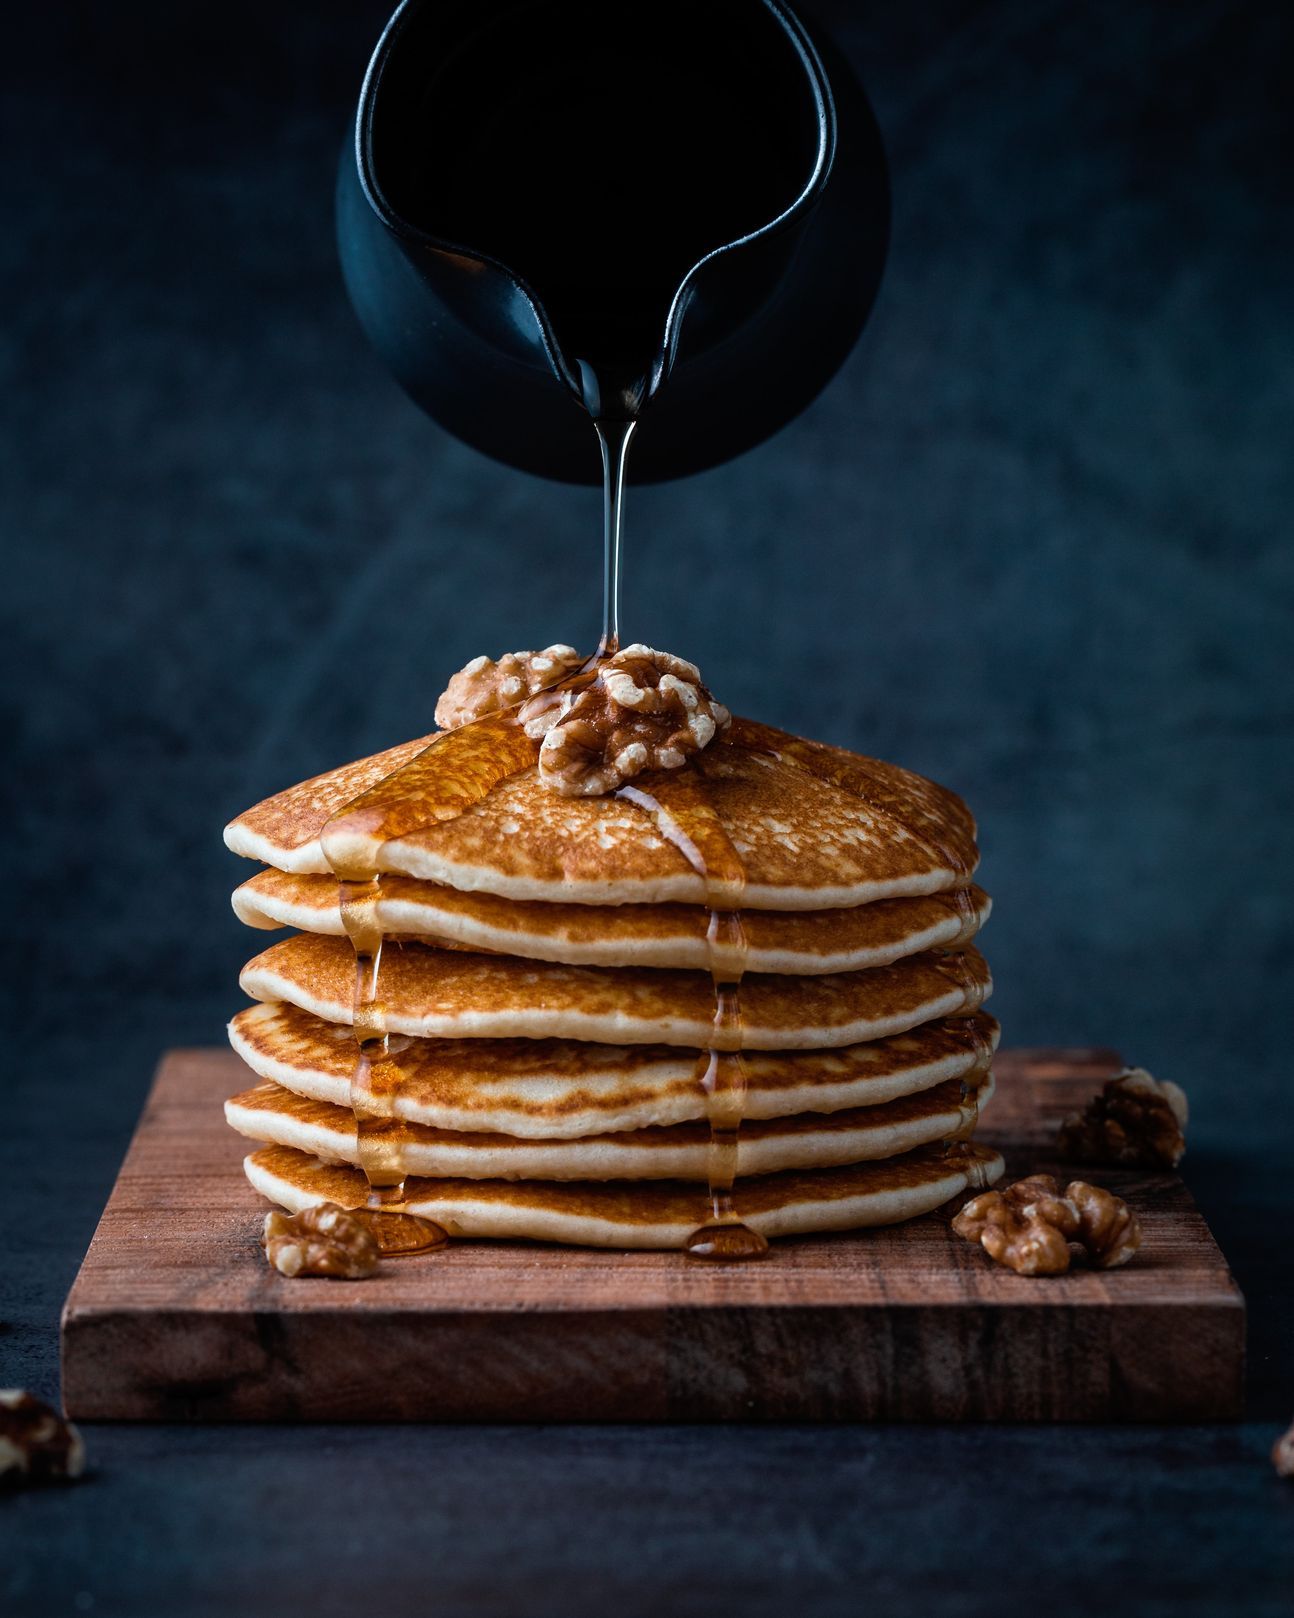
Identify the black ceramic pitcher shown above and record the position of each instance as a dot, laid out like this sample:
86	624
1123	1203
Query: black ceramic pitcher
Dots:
561	208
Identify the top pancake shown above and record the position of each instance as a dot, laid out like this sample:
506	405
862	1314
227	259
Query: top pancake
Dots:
815	827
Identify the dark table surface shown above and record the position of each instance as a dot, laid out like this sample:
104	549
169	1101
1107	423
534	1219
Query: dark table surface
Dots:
1034	540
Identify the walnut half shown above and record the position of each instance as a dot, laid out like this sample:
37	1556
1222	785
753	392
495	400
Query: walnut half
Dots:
323	1240
36	1444
1135	1120
484	686
1034	1228
645	711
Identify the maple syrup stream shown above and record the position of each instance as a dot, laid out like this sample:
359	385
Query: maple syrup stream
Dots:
613	439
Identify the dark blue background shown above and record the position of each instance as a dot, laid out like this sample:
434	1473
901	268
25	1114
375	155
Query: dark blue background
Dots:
1034	540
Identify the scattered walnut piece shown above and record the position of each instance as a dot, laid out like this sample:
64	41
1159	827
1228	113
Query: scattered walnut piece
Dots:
645	711
1283	1453
1034	1228
484	686
36	1444
1026	1227
323	1240
1108	1231
1135	1120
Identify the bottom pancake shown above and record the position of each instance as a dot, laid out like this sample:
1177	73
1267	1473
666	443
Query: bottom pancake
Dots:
268	1112
661	1214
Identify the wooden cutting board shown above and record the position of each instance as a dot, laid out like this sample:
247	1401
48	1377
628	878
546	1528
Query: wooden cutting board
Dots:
175	1315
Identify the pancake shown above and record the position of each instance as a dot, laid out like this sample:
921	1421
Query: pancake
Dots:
631	1214
427	991
624	935
554	1089
270	1113
815	827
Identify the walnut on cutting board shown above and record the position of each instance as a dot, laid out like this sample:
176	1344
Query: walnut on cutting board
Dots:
1108	1232
1135	1120
323	1240
1034	1228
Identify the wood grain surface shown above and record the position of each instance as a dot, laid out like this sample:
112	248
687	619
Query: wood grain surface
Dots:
175	1314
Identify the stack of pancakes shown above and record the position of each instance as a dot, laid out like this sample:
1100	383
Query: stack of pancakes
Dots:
547	989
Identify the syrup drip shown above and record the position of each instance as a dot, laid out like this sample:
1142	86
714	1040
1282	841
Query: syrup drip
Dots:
973	1161
446	779
375	1087
375	1083
967	1115
683	814
977	1038
965	973
961	901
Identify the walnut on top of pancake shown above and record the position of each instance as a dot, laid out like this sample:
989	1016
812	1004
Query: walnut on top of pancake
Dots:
484	686
642	710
